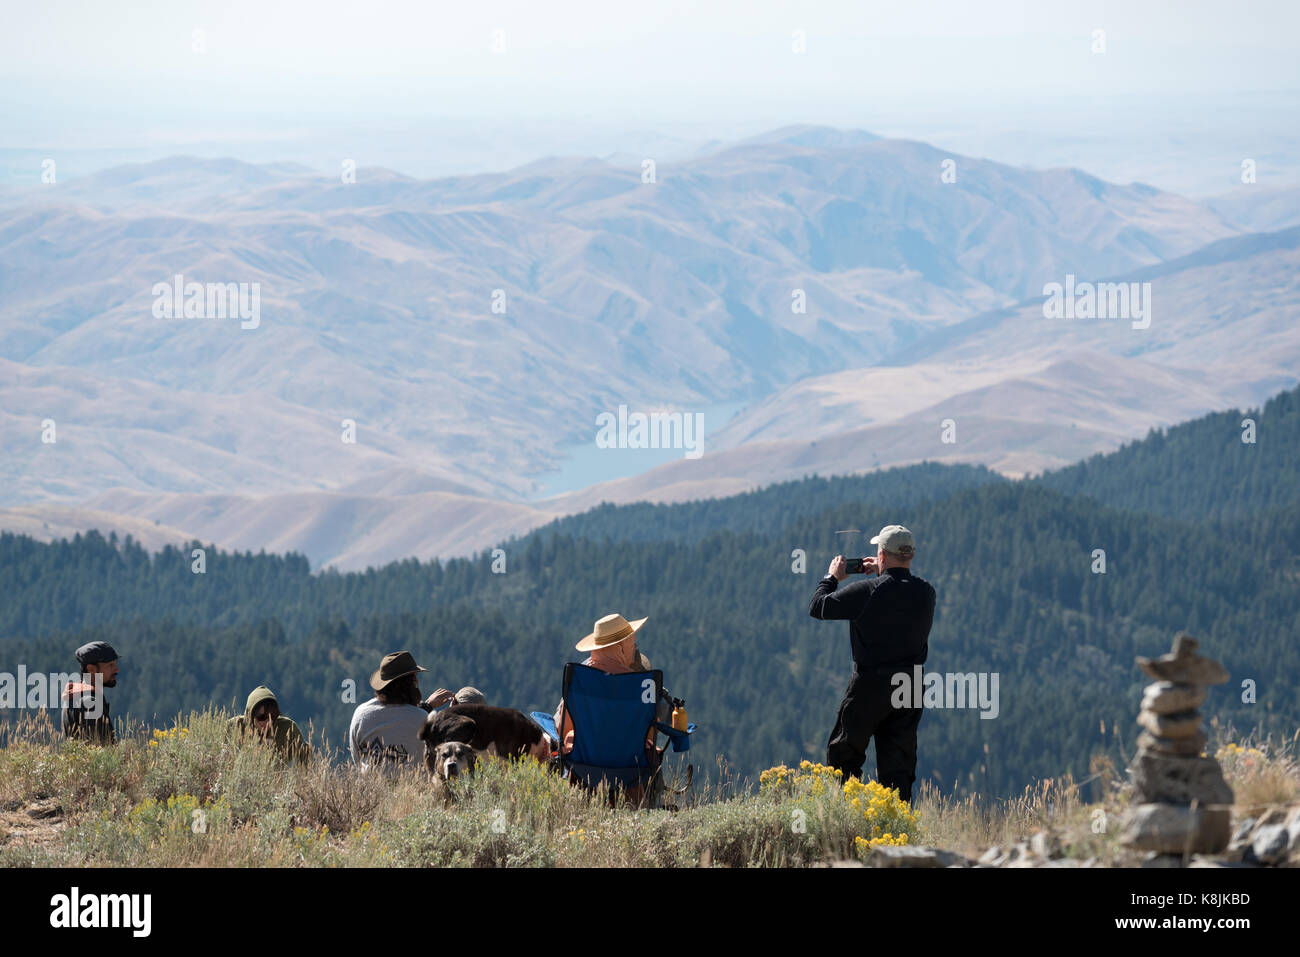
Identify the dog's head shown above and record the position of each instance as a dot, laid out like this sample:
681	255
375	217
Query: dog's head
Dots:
447	753
449	760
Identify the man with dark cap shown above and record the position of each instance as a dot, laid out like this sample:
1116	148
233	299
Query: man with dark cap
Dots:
385	730
85	709
889	629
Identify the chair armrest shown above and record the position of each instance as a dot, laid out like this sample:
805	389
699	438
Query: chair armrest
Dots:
681	739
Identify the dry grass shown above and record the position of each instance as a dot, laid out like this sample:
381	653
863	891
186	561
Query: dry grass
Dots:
1262	772
971	824
189	795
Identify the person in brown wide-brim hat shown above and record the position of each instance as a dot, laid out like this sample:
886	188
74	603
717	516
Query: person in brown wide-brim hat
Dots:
385	731
394	666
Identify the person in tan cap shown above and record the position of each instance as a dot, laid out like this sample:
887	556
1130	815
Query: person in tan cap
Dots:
612	644
889	616
386	729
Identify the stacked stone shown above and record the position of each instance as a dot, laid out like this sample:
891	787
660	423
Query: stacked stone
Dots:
1184	804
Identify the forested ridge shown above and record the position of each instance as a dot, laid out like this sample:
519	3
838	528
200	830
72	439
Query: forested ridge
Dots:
1200	531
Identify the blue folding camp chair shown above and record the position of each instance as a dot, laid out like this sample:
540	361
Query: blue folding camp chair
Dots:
612	716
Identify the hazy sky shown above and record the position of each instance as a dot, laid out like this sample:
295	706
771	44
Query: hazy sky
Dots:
679	59
99	74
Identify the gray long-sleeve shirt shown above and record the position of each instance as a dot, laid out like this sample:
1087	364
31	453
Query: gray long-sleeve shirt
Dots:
387	734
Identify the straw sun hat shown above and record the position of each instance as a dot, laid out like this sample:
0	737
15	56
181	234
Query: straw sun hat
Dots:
610	630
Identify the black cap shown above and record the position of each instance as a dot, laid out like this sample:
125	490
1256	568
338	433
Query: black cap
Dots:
96	653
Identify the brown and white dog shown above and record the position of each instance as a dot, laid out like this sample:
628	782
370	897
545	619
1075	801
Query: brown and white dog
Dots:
486	728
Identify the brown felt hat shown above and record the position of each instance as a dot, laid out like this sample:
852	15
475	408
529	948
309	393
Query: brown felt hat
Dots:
394	666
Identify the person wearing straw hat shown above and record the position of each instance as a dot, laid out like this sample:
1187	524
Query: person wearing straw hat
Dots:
386	729
612	647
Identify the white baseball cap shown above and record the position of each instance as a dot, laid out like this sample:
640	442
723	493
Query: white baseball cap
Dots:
895	539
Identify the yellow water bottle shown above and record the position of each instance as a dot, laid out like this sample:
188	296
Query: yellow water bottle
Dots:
679	715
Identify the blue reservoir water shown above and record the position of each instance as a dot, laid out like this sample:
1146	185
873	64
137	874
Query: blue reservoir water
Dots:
585	463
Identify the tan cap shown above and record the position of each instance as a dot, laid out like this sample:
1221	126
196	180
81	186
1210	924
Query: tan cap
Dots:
895	539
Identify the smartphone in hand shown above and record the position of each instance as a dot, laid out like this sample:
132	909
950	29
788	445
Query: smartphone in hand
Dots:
854	565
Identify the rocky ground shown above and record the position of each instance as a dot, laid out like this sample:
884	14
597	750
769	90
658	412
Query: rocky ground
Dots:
1262	837
36	822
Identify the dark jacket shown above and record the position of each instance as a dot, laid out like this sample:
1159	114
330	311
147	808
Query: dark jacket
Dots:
78	701
889	618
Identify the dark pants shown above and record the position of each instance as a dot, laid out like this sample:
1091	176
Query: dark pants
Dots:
865	712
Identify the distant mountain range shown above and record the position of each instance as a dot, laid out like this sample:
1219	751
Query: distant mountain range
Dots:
472	328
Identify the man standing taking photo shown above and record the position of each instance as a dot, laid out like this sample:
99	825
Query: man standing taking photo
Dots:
889	619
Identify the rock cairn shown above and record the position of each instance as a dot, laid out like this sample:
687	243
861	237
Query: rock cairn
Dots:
1184	803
